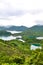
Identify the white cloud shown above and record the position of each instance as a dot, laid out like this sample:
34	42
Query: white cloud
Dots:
21	12
24	4
26	20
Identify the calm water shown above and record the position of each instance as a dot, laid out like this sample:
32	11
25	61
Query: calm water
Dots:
33	47
7	38
21	40
14	31
39	38
11	37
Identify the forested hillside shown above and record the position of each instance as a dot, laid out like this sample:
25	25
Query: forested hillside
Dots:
35	31
15	52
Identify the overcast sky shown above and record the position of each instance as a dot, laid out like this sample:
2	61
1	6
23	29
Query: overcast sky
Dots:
21	12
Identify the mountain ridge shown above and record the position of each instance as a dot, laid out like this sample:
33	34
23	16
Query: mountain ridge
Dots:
36	31
14	28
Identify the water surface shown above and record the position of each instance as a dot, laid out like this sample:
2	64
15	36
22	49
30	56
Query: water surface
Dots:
14	31
7	38
40	38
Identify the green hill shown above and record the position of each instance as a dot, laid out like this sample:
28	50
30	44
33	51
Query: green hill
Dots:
15	52
33	31
4	33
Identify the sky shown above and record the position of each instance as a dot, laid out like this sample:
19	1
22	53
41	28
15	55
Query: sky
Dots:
21	12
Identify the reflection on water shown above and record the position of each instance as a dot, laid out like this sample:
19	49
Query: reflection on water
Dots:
7	38
39	38
33	47
14	31
11	38
21	40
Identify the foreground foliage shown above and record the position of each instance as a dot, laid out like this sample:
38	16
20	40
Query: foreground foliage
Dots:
15	52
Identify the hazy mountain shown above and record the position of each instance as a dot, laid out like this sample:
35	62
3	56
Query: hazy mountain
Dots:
17	28
36	30
13	28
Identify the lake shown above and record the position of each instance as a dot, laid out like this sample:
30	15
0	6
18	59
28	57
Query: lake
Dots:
33	47
39	38
7	38
10	37
14	31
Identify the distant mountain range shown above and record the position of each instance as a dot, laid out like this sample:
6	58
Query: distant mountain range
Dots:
13	28
22	28
36	30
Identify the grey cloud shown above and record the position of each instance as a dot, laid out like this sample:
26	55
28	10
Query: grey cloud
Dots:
11	13
4	18
33	12
16	13
38	22
9	10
